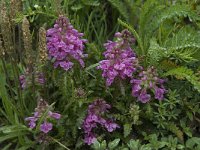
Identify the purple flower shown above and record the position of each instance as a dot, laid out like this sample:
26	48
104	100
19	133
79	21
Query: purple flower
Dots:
111	126
65	44
148	81
26	78
120	60
22	79
98	106
32	121
46	127
39	111
159	92
95	117
40	78
144	97
89	138
54	115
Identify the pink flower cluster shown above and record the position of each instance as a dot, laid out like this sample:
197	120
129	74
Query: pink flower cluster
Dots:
64	44
120	61
148	82
95	117
46	126
26	78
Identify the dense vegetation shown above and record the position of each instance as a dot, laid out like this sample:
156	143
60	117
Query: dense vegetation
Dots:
100	74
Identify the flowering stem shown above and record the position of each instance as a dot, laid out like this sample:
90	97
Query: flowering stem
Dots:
60	143
134	33
43	117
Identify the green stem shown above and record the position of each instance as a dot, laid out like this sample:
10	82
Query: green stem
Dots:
7	77
60	144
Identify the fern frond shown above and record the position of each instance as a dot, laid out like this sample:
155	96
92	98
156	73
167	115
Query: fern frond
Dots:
121	7
184	45
174	129
155	52
148	8
167	65
155	14
172	12
183	55
188	74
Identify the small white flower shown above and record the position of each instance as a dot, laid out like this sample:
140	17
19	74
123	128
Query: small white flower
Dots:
36	6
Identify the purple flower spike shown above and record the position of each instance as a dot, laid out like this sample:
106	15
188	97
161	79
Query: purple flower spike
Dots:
26	78
89	138
148	81
159	92
120	60
46	127
94	118
111	126
65	44
144	97
39	111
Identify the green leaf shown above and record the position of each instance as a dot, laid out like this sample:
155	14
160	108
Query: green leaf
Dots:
134	144
155	52
127	129
97	145
121	7
92	66
184	72
192	142
91	2
113	144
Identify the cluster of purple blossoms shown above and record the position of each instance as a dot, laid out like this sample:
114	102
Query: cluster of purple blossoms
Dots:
148	82
42	107
120	59
95	117
26	78
64	44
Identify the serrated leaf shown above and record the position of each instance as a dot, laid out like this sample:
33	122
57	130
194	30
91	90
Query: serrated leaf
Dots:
127	129
113	144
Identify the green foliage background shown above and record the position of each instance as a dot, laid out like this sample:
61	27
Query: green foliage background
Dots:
168	37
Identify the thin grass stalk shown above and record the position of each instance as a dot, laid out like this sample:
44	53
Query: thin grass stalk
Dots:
7	77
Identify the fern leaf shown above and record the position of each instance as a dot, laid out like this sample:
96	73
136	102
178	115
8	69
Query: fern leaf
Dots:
184	45
172	12
121	7
174	129
188	74
155	52
127	129
167	65
148	8
149	23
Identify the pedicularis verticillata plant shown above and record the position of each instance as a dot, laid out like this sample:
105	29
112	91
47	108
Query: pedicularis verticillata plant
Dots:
121	61
64	44
97	116
148	81
42	111
26	78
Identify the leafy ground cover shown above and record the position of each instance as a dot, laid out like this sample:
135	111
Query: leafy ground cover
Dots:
100	74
